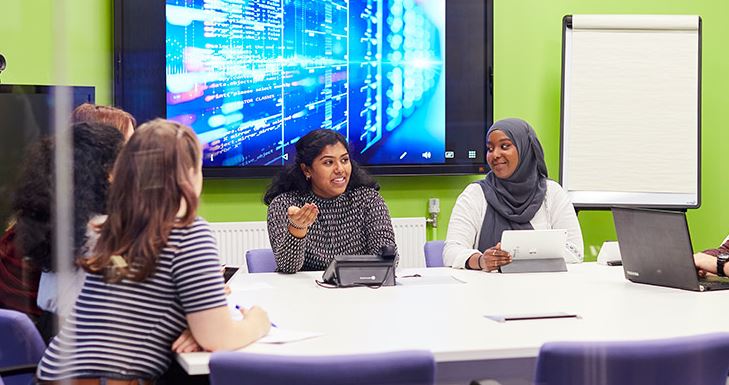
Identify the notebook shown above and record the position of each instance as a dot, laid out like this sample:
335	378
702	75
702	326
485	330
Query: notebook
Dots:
534	251
655	246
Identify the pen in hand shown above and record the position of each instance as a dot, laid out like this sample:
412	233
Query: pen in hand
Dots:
237	307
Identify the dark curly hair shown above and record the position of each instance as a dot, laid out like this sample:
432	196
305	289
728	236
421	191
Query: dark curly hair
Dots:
95	148
292	178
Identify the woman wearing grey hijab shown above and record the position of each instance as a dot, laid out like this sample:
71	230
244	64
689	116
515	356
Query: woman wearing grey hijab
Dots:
515	195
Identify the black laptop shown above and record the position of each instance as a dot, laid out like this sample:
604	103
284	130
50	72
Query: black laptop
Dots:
655	246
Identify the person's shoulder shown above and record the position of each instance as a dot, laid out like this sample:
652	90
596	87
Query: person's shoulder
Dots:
554	188
97	220
556	193
197	227
286	198
474	186
472	190
364	193
553	184
198	232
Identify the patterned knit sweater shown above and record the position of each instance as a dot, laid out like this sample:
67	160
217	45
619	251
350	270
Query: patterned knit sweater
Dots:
356	222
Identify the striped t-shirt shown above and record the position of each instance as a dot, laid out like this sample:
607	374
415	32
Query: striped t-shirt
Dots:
126	329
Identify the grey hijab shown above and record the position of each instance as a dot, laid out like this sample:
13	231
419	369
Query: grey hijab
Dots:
512	202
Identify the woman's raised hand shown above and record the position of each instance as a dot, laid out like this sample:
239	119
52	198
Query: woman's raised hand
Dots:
302	217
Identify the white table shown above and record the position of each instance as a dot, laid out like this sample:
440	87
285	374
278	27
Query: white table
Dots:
448	319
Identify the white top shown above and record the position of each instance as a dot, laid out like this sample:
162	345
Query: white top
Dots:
51	283
464	227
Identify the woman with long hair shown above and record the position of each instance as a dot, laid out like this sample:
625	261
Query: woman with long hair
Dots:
153	272
324	205
28	266
28	282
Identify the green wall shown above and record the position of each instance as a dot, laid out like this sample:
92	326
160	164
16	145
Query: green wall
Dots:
27	39
527	51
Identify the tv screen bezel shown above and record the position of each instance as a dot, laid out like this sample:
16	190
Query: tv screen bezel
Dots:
135	21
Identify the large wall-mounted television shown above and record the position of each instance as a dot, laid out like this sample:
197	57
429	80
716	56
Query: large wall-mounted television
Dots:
408	82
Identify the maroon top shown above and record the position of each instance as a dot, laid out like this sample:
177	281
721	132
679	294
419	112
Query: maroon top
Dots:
18	279
723	249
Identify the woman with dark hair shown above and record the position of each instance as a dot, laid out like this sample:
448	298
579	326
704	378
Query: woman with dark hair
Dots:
324	205
515	195
153	272
95	148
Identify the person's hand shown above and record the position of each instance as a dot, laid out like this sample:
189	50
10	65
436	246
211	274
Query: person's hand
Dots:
186	343
258	319
303	217
705	264
493	258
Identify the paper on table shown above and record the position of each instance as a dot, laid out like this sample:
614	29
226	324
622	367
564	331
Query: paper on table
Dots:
240	285
241	299
417	279
281	336
275	335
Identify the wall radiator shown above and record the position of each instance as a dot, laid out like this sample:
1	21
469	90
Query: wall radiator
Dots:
235	238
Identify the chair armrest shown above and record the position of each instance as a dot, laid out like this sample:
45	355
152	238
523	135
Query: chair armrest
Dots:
17	369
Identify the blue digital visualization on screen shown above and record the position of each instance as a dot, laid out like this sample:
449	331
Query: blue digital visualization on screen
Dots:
252	77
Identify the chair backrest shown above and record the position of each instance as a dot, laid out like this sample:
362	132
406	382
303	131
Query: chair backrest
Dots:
412	367
434	253
696	360
260	261
20	344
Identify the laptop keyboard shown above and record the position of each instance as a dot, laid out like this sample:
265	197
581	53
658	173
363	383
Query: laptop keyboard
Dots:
714	282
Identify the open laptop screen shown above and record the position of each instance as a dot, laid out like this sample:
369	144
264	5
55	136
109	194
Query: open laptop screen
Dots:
655	246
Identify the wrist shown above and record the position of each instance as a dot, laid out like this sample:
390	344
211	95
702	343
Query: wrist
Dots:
297	233
721	260
297	226
472	264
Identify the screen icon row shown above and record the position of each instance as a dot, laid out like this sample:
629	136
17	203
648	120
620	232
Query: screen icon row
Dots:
451	154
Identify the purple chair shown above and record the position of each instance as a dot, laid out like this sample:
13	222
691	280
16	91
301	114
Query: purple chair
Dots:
412	367
695	360
434	253
21	347
260	261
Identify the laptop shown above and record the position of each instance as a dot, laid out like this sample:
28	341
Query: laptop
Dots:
655	246
534	251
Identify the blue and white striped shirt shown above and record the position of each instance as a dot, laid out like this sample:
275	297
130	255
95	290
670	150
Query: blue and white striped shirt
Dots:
126	329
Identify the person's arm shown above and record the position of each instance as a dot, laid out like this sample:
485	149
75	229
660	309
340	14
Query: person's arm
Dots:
214	329
463	229
705	261
200	288
377	224
562	215
288	247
